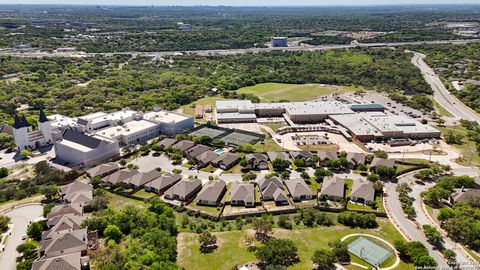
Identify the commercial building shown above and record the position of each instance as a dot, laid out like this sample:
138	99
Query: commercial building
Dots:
279	41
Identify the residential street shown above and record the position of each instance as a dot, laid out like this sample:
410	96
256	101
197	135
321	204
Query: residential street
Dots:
21	218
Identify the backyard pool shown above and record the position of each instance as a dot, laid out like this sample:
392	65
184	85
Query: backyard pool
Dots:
220	151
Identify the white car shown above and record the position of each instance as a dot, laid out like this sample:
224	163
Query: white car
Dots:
24	236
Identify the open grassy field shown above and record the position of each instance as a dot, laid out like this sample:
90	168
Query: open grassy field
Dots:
189	109
465	148
293	92
232	251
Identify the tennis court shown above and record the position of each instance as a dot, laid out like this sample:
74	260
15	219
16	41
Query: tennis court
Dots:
238	138
369	251
207	131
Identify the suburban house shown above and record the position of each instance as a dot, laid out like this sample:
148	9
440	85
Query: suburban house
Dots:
242	194
167	142
280	155
306	156
63	225
163	183
63	209
68	218
362	192
257	161
196	150
333	188
119	176
72	261
183	146
81	198
298	189
464	195
102	170
272	189
140	179
67	243
184	190
325	156
212	193
389	163
205	158
354	159
74	187
226	161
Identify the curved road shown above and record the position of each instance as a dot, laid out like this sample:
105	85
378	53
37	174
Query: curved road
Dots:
21	218
441	94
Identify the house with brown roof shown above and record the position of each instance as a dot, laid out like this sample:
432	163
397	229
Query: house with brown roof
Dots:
325	156
196	150
76	186
257	161
225	161
272	189
464	195
362	192
72	261
82	198
102	170
163	183
63	209
183	146
140	179
119	176
242	194
298	189
280	155
333	188
67	218
205	158
65	244
306	156
167	142
354	159
389	163
184	190
212	193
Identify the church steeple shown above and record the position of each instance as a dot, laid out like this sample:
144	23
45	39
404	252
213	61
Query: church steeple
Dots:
18	122
43	117
25	122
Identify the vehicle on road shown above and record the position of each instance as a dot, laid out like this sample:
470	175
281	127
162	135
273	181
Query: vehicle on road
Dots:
24	236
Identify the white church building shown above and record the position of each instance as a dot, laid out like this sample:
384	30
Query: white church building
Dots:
26	137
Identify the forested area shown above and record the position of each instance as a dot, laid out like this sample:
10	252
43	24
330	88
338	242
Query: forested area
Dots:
51	83
99	29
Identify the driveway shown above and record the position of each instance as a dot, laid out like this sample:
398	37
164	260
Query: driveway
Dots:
21	218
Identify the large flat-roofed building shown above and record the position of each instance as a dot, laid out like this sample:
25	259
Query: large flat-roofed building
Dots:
358	127
79	149
98	120
279	41
133	132
170	123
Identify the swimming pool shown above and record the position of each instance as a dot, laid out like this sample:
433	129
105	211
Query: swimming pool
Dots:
220	151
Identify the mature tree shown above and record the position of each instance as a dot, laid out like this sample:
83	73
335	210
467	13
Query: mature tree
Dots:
28	249
113	232
35	230
4	221
450	256
323	259
300	163
385	172
3	172
433	235
25	153
340	249
208	242
262	227
277	252
280	164
49	191
243	163
320	173
381	154
305	176
285	175
373	177
176	158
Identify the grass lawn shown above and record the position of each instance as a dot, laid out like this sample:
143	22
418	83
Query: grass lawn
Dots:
314	185
189	109
235	169
118	201
143	194
441	110
267	144
378	200
207	209
208	169
293	92
465	147
401	168
232	251
275	126
349	183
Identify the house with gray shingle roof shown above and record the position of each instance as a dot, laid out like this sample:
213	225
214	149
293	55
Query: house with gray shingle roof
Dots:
167	142
73	187
257	161
298	189
354	159
183	145
142	178
272	189
389	163
280	155
333	188
62	226
225	161
184	190
196	150
119	176
362	192
102	170
205	158
242	194
212	193
163	183
306	156
325	156
69	218
65	244
464	195
72	261
63	209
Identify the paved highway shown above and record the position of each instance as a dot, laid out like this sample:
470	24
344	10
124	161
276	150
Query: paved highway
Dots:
21	218
441	94
240	51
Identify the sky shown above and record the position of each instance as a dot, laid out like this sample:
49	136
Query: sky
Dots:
241	2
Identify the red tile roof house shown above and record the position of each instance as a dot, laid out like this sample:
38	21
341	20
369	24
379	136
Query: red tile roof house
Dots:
333	188
298	189
212	193
272	189
184	190
164	182
242	194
